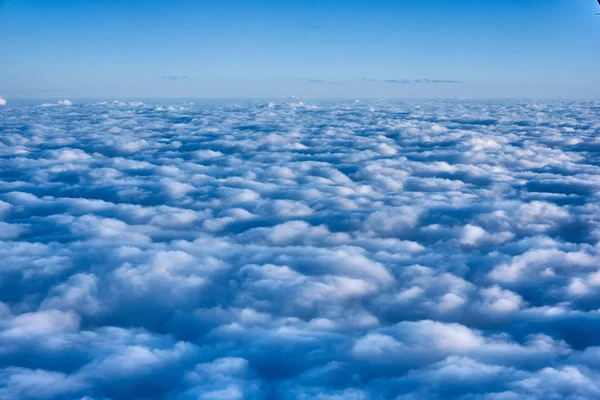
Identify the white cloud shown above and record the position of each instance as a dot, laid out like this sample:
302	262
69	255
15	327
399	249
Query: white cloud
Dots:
57	104
40	324
339	250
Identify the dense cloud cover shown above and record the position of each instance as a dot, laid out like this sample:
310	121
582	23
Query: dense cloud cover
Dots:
349	250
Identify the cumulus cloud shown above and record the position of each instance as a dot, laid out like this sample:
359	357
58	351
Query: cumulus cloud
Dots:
2	101
291	250
57	104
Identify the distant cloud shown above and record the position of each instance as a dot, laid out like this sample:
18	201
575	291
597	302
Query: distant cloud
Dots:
2	101
412	81
304	80
59	103
173	77
437	81
395	81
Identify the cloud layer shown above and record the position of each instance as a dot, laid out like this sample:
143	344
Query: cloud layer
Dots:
411	81
348	250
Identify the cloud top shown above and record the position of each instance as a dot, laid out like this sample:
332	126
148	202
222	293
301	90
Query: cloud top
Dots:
293	250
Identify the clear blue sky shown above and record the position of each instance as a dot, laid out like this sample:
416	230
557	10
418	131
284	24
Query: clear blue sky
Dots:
268	48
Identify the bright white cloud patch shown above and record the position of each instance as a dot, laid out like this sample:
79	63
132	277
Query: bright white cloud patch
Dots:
340	250
58	103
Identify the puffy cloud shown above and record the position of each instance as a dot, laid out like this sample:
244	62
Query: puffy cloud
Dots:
290	250
475	236
22	383
40	323
11	231
57	104
2	101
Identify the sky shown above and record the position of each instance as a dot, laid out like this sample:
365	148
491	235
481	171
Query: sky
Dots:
313	49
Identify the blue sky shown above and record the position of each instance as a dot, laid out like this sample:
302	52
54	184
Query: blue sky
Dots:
232	48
